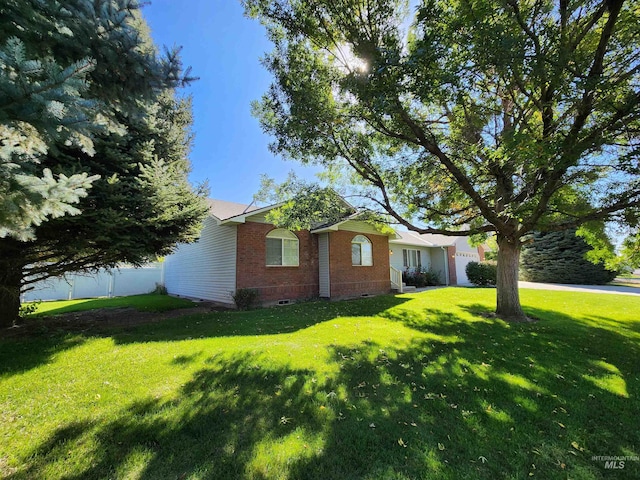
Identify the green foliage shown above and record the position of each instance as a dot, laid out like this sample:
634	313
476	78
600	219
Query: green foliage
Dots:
41	103
28	309
491	255
630	252
160	290
94	143
302	204
492	252
246	298
141	206
561	257
64	89
482	274
483	116
602	250
149	302
421	278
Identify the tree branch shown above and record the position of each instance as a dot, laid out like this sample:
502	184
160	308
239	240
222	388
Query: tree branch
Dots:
460	177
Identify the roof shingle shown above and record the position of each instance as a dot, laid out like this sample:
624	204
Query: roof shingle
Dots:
221	209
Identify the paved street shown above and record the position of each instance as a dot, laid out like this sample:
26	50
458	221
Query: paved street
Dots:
620	290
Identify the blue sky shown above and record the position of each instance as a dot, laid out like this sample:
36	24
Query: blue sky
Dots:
224	49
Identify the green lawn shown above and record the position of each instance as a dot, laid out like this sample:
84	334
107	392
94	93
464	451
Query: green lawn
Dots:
415	386
145	303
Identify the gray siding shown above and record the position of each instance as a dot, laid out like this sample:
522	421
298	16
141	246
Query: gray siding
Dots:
258	218
438	264
323	264
359	227
396	259
207	268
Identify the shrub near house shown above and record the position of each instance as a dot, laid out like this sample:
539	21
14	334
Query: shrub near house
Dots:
482	274
421	277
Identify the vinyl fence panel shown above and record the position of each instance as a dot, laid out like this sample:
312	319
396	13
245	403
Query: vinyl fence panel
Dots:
119	282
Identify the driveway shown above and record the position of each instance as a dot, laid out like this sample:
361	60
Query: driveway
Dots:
616	289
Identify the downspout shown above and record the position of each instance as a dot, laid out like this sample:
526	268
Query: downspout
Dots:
446	265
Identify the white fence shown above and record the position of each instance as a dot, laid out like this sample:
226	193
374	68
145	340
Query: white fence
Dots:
118	282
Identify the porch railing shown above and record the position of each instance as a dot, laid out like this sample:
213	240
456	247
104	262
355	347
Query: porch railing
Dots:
396	279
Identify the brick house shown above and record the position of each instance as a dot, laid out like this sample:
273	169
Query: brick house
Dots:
238	248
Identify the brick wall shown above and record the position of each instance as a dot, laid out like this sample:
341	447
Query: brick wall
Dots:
275	283
451	259
481	252
348	280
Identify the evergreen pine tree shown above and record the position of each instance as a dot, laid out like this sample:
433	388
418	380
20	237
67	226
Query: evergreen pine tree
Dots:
559	257
65	69
93	143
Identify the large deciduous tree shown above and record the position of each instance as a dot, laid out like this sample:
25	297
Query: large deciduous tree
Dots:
94	143
467	116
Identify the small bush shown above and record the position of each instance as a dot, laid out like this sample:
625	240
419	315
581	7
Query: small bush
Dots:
159	290
421	278
27	309
482	274
246	298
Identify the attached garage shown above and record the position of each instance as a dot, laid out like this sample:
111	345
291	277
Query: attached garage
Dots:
462	259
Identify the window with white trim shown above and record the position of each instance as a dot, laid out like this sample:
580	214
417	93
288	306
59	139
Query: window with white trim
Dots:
282	248
411	258
361	251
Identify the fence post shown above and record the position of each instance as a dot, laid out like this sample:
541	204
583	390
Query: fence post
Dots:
112	281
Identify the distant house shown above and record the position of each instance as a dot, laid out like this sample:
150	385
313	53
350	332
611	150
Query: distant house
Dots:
238	248
446	255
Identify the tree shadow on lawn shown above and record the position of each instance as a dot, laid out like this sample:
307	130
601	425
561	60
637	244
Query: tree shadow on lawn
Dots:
263	321
147	302
24	353
468	399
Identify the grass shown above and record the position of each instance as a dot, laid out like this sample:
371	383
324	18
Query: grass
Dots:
410	386
145	303
629	275
622	283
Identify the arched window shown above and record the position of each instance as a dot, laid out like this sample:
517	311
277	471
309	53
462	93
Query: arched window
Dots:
282	248
361	251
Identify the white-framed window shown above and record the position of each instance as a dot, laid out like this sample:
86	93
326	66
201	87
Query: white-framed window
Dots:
282	248
361	251
411	259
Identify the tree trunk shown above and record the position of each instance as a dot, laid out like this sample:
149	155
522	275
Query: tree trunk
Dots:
11	265
507	280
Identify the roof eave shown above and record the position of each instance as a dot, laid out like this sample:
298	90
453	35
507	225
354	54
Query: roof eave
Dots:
415	240
330	228
336	226
242	218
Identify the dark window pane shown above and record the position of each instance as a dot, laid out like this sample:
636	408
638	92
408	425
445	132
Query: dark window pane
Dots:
274	251
355	254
